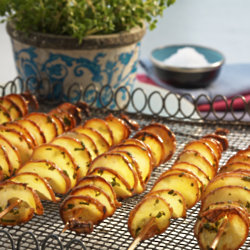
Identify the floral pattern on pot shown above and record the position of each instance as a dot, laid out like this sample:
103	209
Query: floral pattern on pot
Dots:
112	67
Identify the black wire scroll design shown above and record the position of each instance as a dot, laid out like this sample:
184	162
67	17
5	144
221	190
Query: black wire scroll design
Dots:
136	101
108	98
4	234
50	241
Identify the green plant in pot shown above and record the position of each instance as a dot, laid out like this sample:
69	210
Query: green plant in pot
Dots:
72	43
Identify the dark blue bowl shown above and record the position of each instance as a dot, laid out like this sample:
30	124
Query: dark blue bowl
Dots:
187	77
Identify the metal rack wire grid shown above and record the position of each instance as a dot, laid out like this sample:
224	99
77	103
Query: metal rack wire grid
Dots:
45	232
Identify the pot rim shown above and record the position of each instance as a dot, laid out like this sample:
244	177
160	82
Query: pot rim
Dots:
51	41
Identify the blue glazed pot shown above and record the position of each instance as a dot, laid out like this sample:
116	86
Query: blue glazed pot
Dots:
104	60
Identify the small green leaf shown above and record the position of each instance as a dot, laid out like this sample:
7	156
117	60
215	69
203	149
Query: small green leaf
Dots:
80	18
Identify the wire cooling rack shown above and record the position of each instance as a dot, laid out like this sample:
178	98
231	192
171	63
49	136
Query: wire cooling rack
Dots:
45	232
169	105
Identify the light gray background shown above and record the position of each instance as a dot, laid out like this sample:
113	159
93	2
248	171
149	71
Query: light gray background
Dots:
221	24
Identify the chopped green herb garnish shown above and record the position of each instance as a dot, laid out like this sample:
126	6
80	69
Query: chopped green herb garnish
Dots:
138	229
97	193
246	178
100	172
65	172
66	121
160	214
171	191
156	202
84	203
248	204
79	149
49	119
114	182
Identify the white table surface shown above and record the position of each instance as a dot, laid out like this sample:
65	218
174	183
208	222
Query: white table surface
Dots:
221	24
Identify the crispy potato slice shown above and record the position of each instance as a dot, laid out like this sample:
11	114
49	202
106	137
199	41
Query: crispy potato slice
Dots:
18	127
18	140
184	171
119	128
119	183
38	183
100	142
242	171
221	131
4	115
151	207
12	108
60	127
210	231
194	169
225	179
45	122
34	129
141	155
13	153
20	102
98	194
102	127
5	165
245	151
221	206
71	109
167	136
100	182
57	179
220	138
218	205
117	162
227	193
194	157
20	214
134	125
67	119
85	140
10	190
175	199
240	156
78	151
60	156
139	143
234	232
235	166
83	210
1	175
155	143
205	150
140	187
215	145
136	141
30	99
226	205
184	183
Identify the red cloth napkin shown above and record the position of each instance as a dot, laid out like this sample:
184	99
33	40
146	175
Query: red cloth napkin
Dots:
237	104
220	105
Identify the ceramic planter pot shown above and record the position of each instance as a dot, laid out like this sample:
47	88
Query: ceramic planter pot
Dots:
104	60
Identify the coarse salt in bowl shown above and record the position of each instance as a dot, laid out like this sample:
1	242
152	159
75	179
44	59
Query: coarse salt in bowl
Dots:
187	66
187	57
